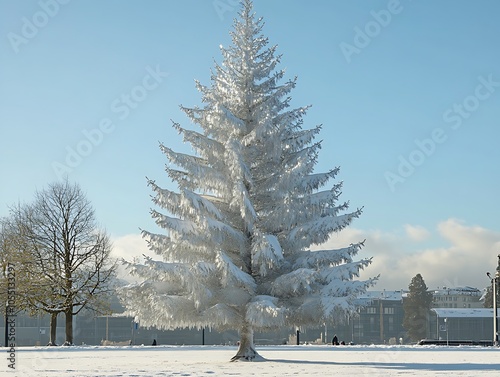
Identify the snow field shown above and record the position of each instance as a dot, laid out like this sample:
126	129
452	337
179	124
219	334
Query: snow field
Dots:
165	361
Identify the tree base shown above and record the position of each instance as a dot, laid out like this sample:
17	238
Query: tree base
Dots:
256	357
66	344
51	344
248	354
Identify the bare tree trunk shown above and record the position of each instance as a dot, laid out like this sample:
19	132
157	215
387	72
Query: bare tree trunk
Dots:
246	351
69	327
53	329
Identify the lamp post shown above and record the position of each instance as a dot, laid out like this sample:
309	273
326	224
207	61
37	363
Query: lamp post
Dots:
495	309
437	325
107	328
446	326
494	282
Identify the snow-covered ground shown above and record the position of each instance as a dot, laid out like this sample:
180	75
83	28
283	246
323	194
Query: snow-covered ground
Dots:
165	361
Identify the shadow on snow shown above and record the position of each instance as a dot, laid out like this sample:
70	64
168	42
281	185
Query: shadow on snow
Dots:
401	366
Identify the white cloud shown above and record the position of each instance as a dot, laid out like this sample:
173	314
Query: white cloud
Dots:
416	233
463	257
129	247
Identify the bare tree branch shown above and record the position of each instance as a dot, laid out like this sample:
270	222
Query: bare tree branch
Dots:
68	265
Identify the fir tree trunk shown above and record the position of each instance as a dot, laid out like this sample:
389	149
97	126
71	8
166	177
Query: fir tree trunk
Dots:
246	350
53	328
69	327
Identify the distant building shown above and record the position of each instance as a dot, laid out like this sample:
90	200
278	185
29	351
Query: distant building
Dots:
475	324
380	319
457	298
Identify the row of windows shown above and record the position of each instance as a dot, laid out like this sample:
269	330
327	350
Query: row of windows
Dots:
373	310
450	305
372	320
373	325
453	298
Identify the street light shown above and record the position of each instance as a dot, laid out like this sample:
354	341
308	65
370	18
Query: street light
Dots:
494	281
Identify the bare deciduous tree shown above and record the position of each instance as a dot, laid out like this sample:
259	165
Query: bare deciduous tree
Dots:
70	266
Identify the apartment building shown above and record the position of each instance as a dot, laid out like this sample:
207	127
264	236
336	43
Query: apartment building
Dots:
457	298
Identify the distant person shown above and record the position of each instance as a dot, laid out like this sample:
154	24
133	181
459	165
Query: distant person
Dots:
342	343
335	340
154	342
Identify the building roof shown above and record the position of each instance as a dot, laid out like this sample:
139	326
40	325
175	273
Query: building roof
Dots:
464	313
466	291
382	295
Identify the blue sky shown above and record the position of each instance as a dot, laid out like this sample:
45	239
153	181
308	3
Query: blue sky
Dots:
407	92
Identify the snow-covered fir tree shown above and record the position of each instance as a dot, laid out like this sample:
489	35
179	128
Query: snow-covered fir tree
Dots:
236	245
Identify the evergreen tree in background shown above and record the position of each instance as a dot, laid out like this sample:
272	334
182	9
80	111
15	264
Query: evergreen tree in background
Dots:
238	233
416	307
488	297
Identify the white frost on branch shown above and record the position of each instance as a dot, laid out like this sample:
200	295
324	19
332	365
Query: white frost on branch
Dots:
264	312
231	274
236	235
296	283
267	253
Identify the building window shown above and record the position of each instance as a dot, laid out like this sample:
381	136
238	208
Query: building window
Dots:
372	324
388	310
371	310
